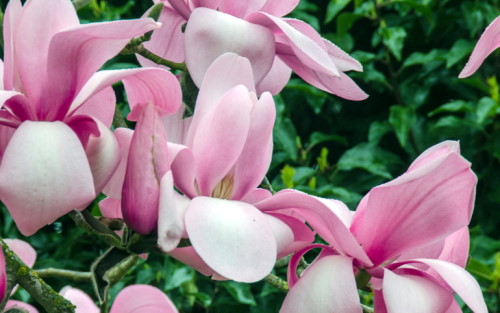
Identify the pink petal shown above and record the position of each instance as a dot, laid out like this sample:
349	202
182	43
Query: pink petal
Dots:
282	234
11	304
167	41
256	195
103	154
33	33
183	169
454	308
190	257
23	250
3	277
142	299
147	163
76	54
100	106
176	126
234	238
456	247
254	161
419	207
460	281
143	85
489	42
301	235
40	160
342	86
276	79
342	60
172	209
17	105
82	301
204	42
219	138
226	72
114	186
435	153
279	8
111	208
327	286
11	79
414	294
310	53
321	218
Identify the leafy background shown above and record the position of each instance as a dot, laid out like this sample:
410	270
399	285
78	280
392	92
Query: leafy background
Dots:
412	52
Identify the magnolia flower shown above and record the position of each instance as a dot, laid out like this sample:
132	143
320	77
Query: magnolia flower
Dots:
407	234
56	111
132	299
489	42
3	277
222	159
255	30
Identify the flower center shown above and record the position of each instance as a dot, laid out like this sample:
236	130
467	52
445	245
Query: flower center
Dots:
224	188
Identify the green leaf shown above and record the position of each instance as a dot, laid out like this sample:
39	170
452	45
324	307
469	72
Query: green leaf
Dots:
285	138
460	49
419	7
418	58
393	38
180	276
368	157
287	174
485	108
402	119
377	131
345	22
240	292
479	269
334	7
319	137
453	106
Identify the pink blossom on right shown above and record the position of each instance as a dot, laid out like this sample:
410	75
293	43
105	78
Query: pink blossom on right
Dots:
489	42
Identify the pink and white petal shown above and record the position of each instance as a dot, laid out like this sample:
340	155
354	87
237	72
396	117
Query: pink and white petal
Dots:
435	153
172	209
205	42
417	208
456	247
279	8
11	79
276	79
17	104
302	235
142	299
342	60
339	209
460	281
327	286
235	8
181	7
33	33
190	257
378	302
414	294
23	250
167	41
103	153
342	86
489	42
100	106
310	53
282	234
234	238
219	138
3	276
254	161
256	195
40	160
82	301
226	72
454	308
143	85
292	276
77	53
321	218
14	304
5	135
114	186
183	169
147	163
176	126
111	208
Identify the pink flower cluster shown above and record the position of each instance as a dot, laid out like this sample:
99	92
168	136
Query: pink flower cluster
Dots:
197	178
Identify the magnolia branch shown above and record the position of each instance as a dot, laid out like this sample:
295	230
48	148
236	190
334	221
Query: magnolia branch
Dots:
51	301
139	49
59	273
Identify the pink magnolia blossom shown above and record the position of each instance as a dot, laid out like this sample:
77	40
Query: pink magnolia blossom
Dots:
489	42
3	277
409	234
256	30
56	111
222	159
